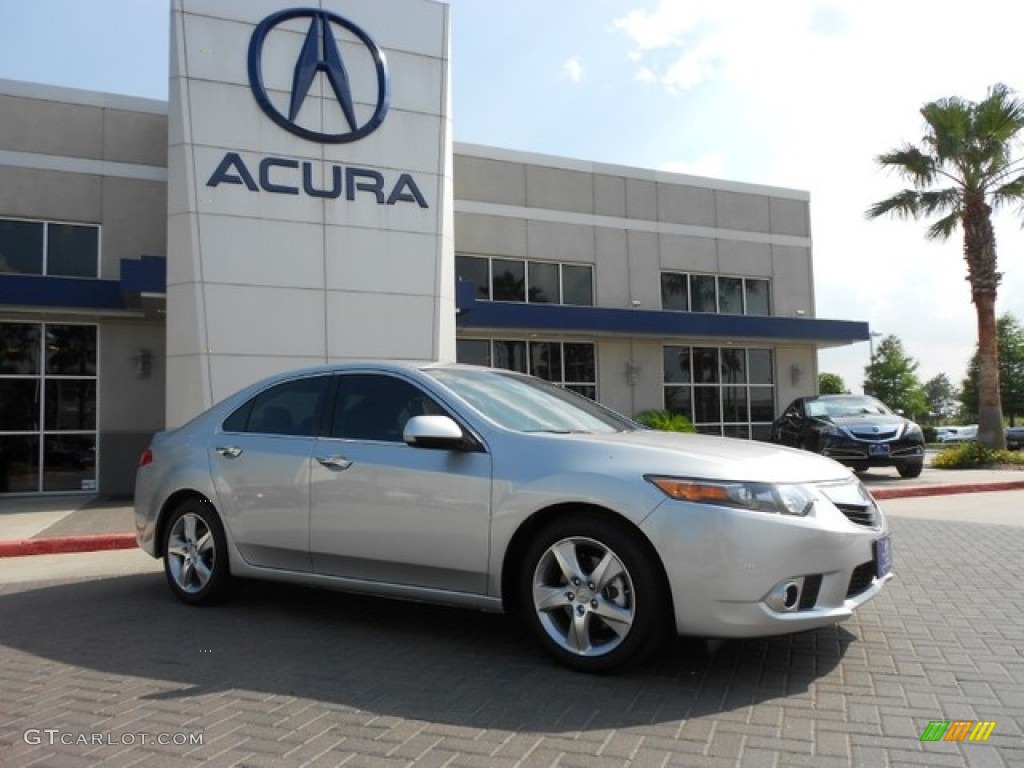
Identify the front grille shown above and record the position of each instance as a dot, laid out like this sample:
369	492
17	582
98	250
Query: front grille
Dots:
861	579
873	434
809	596
859	514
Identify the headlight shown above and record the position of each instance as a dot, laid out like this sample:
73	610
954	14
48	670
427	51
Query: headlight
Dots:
761	497
910	429
827	428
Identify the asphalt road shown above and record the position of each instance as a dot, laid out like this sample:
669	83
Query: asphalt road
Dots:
95	652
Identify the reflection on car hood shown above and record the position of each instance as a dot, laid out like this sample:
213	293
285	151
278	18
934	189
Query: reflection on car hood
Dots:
712	458
867	419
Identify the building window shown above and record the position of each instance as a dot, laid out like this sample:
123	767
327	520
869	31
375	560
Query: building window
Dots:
682	292
571	365
48	397
723	390
49	248
536	282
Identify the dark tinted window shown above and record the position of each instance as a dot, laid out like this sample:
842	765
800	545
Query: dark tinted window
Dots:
674	292
376	407
702	293
71	404
71	350
21	247
473	351
544	283
474	269
289	408
19	348
730	295
508	280
577	285
72	251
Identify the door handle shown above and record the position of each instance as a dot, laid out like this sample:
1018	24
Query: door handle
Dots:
229	451
334	462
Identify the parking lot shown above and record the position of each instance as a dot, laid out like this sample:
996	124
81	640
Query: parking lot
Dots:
104	659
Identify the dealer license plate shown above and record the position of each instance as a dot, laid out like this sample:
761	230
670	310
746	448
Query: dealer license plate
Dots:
883	557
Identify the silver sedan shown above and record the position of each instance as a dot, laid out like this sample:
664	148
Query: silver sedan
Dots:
493	490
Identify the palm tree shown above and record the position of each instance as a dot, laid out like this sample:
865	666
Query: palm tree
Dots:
963	170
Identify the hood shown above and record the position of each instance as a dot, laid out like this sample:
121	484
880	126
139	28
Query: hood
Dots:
705	456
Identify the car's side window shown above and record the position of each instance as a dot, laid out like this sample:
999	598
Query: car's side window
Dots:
290	408
376	407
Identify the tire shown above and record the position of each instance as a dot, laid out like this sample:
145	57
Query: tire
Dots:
910	470
592	626
195	554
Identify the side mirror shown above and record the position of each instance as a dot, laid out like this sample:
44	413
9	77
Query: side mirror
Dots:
434	432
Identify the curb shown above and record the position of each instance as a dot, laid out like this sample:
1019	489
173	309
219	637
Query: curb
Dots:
67	544
945	490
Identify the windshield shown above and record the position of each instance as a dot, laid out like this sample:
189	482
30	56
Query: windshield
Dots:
847	406
526	404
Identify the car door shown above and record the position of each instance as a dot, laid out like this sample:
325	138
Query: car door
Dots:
385	511
261	464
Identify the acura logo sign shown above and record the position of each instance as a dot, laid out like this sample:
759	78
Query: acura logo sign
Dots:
321	54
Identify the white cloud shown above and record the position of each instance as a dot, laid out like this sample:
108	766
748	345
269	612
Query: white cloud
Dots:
572	70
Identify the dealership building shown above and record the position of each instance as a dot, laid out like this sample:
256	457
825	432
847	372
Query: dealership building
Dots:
300	200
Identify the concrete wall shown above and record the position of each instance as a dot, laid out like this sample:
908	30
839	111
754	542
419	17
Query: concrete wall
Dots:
74	156
632	225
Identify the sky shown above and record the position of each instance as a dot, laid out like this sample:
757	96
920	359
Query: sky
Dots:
801	94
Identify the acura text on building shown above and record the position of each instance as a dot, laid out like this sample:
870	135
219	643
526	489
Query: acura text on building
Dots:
287	176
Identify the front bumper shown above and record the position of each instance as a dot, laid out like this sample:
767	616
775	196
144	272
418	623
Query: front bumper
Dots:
732	572
863	453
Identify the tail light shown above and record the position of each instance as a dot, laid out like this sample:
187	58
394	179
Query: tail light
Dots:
146	458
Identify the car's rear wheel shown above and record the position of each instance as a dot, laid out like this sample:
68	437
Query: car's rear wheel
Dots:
195	554
910	470
591	594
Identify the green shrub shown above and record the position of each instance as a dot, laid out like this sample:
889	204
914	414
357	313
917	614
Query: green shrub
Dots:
666	421
930	434
971	455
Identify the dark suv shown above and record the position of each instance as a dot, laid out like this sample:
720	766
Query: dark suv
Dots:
856	430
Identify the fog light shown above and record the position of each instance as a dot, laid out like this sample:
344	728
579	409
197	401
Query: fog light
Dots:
785	596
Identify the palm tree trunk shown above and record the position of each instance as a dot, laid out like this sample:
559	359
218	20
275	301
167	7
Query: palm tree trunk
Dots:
990	411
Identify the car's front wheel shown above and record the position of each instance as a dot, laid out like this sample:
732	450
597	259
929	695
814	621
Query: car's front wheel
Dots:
195	553
910	470
591	594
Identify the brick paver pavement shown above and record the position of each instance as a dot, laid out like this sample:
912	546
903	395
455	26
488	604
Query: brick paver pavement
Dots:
287	676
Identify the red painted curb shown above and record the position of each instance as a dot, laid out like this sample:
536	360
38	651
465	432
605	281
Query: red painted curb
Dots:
945	490
65	544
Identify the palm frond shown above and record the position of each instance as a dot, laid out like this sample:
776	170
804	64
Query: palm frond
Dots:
1009	193
910	163
944	227
903	205
940	200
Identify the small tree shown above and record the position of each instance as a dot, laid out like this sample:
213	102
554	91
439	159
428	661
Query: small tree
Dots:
892	378
942	397
1010	335
831	384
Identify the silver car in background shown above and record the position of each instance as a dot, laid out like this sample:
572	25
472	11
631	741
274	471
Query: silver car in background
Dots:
489	489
